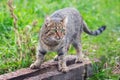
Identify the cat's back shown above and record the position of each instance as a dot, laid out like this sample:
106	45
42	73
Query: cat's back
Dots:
65	12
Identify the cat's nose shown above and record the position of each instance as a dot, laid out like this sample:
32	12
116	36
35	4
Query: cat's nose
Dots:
53	38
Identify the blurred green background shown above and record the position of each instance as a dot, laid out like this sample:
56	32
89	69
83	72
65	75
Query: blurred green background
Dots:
95	12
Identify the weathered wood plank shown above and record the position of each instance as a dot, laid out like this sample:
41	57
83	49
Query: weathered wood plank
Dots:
48	71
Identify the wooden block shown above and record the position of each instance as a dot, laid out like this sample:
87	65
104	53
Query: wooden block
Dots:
49	71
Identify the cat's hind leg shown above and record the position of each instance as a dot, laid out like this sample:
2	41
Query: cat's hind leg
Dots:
56	58
80	55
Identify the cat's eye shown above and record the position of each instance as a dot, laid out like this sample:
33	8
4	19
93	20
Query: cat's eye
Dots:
63	30
54	30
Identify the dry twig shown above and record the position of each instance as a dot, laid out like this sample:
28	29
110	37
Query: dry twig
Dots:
17	35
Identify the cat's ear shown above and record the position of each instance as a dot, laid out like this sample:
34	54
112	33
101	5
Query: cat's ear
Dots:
48	21
64	20
47	18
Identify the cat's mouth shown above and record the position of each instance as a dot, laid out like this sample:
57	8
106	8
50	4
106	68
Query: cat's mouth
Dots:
51	41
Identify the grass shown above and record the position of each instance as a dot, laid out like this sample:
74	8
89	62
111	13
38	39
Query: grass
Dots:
94	12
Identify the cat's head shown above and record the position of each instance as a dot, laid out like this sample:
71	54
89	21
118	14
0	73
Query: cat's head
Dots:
52	22
54	29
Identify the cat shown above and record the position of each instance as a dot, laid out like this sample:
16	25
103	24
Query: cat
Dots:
61	29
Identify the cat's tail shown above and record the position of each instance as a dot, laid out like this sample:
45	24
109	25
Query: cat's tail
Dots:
94	33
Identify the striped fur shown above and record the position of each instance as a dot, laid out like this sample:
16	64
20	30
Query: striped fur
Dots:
60	30
94	33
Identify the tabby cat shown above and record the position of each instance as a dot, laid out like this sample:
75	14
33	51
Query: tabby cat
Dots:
62	28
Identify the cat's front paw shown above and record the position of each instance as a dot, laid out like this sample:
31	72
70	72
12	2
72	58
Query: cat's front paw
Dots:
64	69
78	60
34	66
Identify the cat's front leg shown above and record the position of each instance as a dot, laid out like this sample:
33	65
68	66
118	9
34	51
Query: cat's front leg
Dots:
39	58
62	64
62	60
